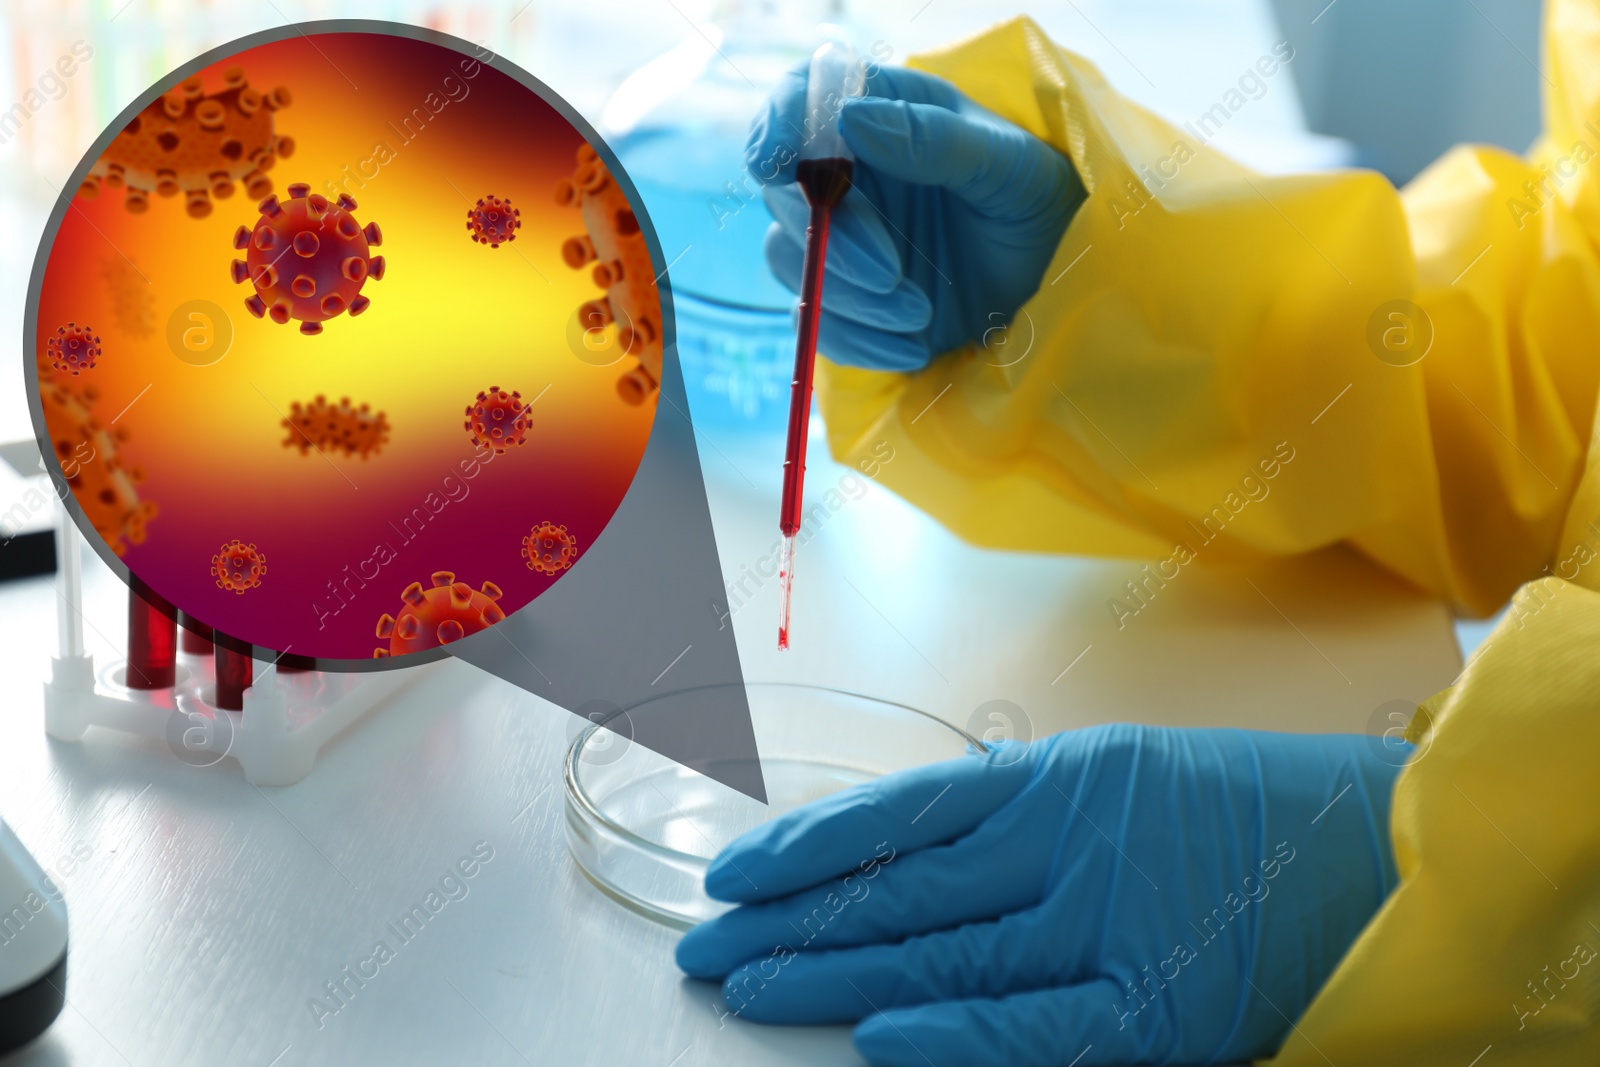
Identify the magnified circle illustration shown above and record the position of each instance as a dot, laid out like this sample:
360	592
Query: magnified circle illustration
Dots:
303	343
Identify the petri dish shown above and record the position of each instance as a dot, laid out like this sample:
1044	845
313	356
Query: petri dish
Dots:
643	828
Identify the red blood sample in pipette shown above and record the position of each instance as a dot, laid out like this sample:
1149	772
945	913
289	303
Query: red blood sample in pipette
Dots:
823	174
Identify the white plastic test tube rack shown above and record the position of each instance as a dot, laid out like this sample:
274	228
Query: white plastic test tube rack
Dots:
287	719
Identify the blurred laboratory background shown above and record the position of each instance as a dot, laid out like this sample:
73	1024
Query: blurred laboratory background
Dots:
672	84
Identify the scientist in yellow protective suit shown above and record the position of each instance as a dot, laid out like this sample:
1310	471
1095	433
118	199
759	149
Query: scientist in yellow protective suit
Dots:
1030	268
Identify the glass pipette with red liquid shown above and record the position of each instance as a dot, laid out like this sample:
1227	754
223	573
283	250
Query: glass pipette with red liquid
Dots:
823	174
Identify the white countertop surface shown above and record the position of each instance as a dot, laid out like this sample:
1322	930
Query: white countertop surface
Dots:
209	912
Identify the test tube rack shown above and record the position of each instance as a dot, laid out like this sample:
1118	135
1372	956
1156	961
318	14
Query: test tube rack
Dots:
287	717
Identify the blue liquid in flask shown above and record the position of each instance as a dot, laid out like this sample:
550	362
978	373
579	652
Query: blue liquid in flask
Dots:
679	126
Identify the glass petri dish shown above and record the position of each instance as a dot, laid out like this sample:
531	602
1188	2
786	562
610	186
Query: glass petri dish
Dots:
644	829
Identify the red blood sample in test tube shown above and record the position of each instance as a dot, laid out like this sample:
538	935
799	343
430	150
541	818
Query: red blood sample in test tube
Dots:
235	671
294	663
152	641
196	637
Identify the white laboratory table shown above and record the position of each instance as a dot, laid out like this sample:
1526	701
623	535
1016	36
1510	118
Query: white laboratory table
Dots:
207	913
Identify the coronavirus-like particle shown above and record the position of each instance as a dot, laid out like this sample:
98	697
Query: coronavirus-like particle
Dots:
497	419
133	306
73	348
432	617
336	428
623	269
195	143
549	548
102	482
307	259
238	566
493	221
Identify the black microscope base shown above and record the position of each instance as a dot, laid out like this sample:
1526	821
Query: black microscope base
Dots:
28	1012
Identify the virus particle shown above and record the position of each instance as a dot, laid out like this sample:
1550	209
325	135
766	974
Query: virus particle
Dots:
238	566
498	419
308	259
432	617
335	428
493	221
133	305
102	483
622	268
549	548
195	143
73	348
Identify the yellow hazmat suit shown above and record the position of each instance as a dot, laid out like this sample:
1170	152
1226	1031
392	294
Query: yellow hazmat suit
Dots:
1222	365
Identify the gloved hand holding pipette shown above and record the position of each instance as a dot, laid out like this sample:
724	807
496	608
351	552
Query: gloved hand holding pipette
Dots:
987	201
955	215
1114	895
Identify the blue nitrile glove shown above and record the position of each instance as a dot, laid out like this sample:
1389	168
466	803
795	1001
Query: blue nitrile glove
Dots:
954	216
1114	895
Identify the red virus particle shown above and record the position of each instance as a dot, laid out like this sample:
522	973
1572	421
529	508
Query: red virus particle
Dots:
549	548
623	269
238	566
195	143
336	428
102	482
73	348
493	221
432	617
308	259
497	419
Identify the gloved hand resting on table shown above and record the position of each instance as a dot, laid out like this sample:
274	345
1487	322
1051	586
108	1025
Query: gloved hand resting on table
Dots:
1113	895
954	216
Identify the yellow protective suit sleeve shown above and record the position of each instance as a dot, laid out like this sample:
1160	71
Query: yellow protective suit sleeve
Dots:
1492	940
1209	366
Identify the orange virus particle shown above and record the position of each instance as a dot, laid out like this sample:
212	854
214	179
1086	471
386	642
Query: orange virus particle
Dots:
73	348
133	307
307	259
493	221
336	428
432	617
549	548
238	566
195	143
498	419
622	268
103	484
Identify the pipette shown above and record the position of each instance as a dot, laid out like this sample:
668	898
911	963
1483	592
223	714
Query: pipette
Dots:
823	173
